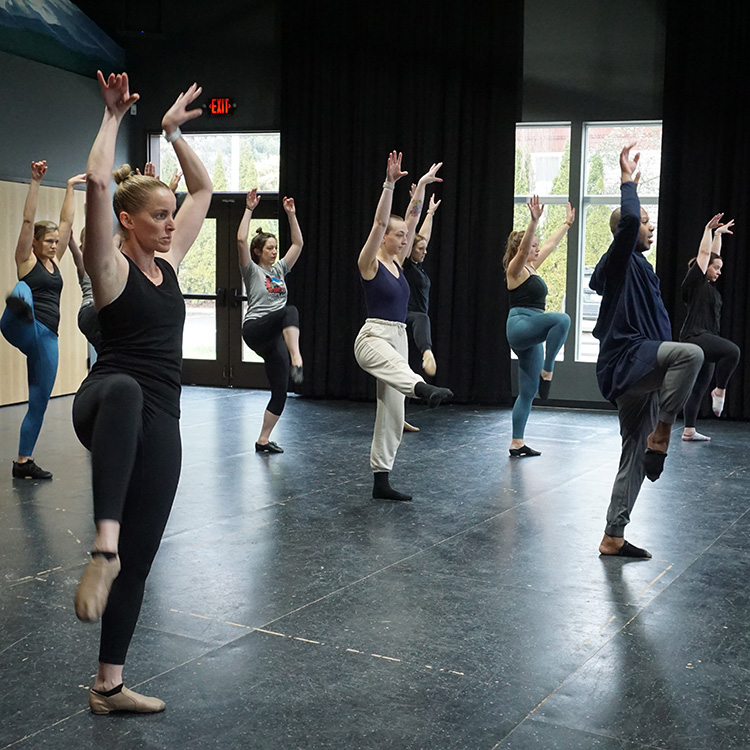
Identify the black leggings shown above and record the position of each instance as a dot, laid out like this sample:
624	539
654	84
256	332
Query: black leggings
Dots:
136	456
418	325
719	354
263	336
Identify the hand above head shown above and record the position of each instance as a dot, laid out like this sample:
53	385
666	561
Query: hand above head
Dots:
179	113
288	204
252	200
715	221
175	181
393	171
77	179
433	205
628	164
412	189
725	228
38	170
149	170
431	174
116	93
570	214
535	208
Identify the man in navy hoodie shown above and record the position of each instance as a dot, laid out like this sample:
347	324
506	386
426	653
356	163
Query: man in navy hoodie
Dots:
640	369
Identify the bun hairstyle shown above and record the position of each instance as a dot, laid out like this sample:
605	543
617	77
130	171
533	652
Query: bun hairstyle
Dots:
43	227
258	242
511	248
714	257
133	190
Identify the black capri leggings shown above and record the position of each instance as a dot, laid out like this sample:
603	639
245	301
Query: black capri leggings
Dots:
720	354
263	336
418	324
136	457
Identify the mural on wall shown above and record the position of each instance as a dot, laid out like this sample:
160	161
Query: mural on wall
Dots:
57	33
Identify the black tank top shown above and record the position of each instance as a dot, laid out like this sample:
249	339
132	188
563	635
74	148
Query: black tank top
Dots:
45	288
142	336
532	293
386	296
419	286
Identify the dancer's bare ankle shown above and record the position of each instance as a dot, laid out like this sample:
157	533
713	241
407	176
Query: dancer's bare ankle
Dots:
610	545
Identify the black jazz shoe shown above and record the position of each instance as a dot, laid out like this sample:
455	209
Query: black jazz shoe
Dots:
29	470
269	447
524	450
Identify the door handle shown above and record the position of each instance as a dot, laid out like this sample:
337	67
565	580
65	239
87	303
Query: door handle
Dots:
221	297
236	298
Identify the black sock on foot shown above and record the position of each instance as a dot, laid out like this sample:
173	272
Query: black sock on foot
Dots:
110	693
382	490
544	386
20	308
432	394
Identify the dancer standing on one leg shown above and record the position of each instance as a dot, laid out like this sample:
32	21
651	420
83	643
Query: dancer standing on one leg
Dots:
32	313
271	327
381	346
647	376
534	335
702	326
127	410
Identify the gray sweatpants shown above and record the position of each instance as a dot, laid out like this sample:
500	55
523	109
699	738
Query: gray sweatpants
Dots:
659	395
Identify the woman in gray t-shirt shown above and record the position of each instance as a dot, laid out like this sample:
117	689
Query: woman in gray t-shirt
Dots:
270	327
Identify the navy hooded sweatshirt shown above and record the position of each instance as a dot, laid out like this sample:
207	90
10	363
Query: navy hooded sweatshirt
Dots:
633	321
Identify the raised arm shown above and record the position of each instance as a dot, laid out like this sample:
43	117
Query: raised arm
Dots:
75	251
68	214
414	211
105	265
554	239
243	246
515	270
719	233
426	229
25	260
367	261
193	211
292	254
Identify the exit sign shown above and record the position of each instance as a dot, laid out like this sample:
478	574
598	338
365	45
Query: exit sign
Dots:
220	106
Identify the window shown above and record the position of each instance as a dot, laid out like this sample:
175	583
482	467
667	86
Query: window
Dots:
600	195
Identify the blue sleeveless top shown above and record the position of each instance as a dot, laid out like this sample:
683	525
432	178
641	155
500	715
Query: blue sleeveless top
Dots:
386	296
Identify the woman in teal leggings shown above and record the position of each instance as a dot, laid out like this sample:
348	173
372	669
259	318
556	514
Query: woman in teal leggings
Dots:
534	335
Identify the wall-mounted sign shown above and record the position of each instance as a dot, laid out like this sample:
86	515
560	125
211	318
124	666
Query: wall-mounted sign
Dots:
221	106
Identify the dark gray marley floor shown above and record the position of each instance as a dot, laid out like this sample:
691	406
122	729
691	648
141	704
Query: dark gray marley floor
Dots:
287	609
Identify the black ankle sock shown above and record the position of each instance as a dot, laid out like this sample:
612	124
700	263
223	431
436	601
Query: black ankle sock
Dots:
382	490
432	394
108	555
110	693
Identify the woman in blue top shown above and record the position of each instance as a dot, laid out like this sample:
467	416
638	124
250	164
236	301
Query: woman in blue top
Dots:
32	312
534	335
702	326
381	347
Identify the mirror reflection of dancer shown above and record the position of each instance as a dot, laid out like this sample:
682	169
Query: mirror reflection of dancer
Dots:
639	369
381	347
32	312
534	335
271	327
703	323
127	410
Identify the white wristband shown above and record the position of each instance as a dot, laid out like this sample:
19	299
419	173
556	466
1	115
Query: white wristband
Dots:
388	185
173	136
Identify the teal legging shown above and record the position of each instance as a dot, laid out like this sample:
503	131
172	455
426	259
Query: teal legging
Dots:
39	344
528	330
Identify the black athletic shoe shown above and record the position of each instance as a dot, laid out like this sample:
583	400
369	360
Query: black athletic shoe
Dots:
30	470
20	308
269	447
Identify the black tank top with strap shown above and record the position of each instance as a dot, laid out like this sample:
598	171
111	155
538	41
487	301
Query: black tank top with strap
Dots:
45	288
142	336
532	293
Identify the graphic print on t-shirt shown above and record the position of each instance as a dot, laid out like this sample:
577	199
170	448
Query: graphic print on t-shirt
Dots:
274	285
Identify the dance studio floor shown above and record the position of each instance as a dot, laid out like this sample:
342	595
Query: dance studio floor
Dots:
287	609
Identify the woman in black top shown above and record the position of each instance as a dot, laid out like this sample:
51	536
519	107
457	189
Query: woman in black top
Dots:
703	323
127	410
32	313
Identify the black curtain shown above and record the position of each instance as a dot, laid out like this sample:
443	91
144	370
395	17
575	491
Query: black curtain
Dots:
439	81
705	160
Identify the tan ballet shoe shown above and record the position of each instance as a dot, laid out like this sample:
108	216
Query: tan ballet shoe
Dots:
429	365
124	700
410	427
93	589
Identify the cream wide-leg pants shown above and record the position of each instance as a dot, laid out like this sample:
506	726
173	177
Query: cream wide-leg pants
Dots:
381	349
